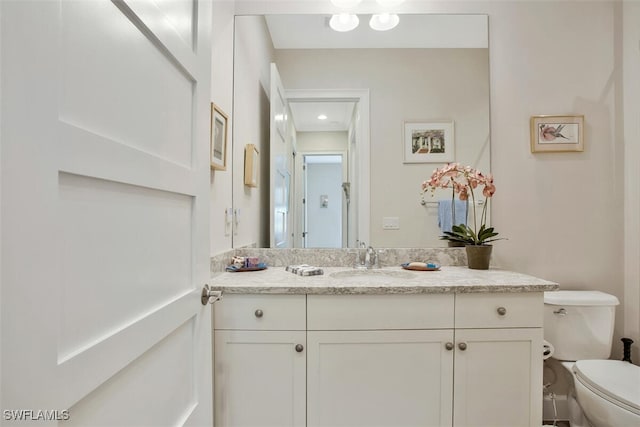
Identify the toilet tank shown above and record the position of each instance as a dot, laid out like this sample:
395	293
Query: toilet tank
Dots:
579	324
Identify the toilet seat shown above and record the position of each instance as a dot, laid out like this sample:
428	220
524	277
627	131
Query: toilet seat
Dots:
616	381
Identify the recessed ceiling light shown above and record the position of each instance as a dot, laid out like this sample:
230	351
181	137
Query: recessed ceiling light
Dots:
322	117
344	22
384	21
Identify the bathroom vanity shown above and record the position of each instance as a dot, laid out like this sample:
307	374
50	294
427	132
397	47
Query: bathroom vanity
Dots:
389	347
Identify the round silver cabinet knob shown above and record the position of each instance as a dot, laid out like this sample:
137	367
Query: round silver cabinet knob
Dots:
299	348
259	313
502	311
449	346
462	346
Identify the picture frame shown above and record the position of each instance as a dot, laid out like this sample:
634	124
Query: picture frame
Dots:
218	138
429	141
551	133
251	165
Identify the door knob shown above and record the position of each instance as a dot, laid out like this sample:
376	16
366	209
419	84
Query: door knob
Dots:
209	296
449	346
462	346
501	311
299	348
259	313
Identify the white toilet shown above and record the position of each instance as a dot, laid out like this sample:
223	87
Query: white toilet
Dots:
579	325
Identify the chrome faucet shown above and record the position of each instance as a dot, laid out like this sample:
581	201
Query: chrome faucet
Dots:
361	256
371	258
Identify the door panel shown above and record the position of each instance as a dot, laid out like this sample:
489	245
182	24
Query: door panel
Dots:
280	174
105	141
498	366
379	378
101	87
260	378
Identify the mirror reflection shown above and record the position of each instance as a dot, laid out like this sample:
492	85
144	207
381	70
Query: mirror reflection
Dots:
328	112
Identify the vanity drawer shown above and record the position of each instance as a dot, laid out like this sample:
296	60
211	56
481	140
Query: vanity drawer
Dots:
362	312
499	310
261	312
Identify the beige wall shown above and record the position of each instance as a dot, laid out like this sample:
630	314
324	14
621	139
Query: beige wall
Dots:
562	213
253	55
404	84
222	95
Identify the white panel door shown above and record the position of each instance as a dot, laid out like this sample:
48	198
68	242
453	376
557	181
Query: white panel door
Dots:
280	173
379	378
498	377
260	378
105	181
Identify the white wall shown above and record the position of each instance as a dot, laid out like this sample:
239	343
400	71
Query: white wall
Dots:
319	142
454	85
562	213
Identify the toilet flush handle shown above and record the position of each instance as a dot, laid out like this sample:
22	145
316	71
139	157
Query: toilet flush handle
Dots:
560	312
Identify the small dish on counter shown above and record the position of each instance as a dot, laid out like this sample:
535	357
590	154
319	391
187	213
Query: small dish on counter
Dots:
420	266
238	269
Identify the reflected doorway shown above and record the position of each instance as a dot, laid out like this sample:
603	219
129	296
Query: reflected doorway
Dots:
325	201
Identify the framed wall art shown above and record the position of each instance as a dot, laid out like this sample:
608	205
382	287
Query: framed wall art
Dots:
219	131
557	133
428	142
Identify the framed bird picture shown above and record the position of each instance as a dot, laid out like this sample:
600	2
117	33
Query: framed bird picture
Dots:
557	133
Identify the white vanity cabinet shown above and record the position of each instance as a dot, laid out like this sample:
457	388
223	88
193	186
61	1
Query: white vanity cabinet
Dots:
431	359
498	359
260	361
379	360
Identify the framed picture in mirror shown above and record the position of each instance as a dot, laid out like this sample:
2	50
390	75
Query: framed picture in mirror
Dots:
219	125
251	165
428	142
557	133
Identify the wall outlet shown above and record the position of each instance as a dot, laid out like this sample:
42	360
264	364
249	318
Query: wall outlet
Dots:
391	223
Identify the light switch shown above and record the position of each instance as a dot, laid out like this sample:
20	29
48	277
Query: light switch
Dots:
391	223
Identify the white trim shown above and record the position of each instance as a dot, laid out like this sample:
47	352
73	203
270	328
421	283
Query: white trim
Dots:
363	143
631	128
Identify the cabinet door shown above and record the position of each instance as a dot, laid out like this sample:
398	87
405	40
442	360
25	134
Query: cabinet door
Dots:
259	378
498	377
379	378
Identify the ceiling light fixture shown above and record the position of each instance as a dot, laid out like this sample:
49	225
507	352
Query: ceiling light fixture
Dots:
344	22
384	21
322	117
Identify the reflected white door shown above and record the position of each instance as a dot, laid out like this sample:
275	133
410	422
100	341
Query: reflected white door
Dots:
280	164
105	182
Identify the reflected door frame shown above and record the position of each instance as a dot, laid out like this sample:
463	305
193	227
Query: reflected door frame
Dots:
363	154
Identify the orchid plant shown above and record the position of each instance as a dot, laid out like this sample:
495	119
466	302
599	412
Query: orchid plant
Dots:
463	180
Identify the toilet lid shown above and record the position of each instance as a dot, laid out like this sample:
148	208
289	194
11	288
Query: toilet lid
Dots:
618	380
584	298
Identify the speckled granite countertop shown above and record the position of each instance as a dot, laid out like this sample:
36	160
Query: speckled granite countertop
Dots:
388	280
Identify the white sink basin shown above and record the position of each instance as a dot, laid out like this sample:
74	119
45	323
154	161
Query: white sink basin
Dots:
372	275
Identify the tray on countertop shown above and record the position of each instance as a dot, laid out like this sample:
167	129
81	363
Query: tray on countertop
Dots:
234	269
424	267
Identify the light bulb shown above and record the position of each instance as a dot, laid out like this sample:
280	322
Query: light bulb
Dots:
344	22
384	21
